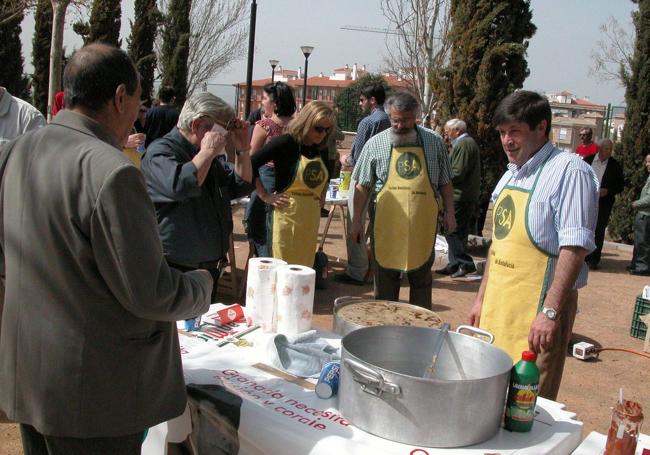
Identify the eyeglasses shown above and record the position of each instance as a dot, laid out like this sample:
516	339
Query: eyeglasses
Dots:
322	129
231	125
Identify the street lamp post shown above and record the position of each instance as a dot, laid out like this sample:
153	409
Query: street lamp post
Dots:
306	50
251	50
273	63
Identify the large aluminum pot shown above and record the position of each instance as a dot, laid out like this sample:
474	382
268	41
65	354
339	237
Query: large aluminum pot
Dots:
343	326
384	392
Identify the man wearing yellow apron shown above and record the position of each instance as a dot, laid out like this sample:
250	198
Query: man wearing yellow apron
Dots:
405	166
544	216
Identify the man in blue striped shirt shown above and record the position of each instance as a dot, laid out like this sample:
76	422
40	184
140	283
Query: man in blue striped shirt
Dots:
371	100
545	208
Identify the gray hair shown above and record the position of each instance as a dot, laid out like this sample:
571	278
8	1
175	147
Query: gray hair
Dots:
456	124
403	102
606	141
204	104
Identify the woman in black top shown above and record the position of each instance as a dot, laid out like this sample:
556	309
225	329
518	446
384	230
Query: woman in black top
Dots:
301	180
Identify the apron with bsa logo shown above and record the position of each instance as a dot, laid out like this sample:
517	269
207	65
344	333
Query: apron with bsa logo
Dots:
517	275
295	227
406	213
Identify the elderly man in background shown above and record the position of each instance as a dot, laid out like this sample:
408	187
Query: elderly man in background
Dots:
544	218
611	180
587	146
466	178
89	355
192	185
404	168
17	117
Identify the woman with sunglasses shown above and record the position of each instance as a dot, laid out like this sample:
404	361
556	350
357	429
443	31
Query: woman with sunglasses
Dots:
301	180
278	100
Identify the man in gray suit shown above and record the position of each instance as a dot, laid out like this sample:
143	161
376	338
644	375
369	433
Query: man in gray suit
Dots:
89	355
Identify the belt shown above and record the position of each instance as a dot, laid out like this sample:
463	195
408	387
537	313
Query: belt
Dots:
219	264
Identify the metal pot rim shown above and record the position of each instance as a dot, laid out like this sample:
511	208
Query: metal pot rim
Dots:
346	352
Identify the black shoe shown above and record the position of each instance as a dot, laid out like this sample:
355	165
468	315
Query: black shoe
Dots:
462	271
447	270
347	279
639	272
324	213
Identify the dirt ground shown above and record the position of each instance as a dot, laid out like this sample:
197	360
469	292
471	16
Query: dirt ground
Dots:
605	312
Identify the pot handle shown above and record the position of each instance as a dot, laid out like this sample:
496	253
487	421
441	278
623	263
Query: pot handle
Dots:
476	331
371	381
344	299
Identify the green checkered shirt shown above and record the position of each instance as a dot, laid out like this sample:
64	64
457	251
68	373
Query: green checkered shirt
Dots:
372	166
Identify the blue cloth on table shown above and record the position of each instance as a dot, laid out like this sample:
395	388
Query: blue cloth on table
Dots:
303	354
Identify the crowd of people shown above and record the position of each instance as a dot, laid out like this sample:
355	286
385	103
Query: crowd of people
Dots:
109	254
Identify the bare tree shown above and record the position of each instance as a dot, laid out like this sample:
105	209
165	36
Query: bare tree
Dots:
417	44
218	38
11	9
612	55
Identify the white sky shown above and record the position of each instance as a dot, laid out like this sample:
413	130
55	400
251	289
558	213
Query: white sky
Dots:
558	56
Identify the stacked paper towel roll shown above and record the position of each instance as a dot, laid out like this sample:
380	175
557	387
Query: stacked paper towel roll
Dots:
295	298
260	291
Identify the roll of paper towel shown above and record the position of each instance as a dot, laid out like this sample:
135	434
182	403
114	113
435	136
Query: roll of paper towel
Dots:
295	298
260	291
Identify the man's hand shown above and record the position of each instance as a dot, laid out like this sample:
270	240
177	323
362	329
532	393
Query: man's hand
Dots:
603	192
474	316
134	140
356	231
346	160
542	333
449	221
279	200
239	135
212	143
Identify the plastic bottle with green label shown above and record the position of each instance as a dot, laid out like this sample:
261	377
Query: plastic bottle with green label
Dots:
522	395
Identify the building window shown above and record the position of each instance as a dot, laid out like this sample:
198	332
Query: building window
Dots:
563	134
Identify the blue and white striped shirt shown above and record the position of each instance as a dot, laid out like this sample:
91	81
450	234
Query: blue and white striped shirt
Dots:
564	204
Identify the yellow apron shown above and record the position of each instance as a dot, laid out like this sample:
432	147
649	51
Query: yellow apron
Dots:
133	155
295	228
517	274
406	213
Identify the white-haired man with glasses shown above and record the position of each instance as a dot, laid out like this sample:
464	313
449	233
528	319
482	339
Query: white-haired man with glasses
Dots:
191	184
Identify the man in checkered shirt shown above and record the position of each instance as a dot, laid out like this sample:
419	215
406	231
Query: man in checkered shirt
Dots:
405	169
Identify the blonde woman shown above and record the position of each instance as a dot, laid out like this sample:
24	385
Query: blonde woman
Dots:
301	179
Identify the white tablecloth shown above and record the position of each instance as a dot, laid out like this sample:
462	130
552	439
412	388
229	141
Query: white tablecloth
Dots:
594	444
277	417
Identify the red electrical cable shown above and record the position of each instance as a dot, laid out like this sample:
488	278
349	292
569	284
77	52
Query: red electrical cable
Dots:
631	351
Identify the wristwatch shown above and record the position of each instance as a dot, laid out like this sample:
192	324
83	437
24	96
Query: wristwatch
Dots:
550	313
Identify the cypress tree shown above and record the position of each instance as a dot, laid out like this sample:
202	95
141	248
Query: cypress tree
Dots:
140	43
41	43
175	48
635	143
11	56
104	25
488	62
